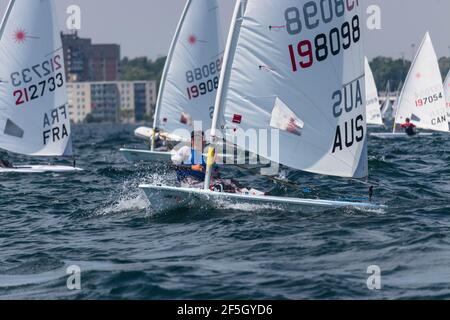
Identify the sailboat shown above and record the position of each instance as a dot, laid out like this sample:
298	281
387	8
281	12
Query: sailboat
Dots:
373	109
422	99
34	115
189	82
386	109
447	94
273	81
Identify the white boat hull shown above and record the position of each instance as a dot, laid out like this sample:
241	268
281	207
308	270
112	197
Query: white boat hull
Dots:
163	198
136	155
40	169
391	135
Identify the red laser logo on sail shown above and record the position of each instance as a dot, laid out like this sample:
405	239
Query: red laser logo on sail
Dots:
20	36
192	40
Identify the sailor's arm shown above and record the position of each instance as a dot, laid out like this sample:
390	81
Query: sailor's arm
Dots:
181	156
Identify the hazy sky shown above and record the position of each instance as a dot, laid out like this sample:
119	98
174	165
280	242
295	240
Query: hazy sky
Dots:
146	27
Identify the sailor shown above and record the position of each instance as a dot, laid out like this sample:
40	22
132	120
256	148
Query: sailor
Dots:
191	162
5	164
410	128
160	143
191	167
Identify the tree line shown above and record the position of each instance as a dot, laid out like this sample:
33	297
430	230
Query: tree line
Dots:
142	68
384	69
395	71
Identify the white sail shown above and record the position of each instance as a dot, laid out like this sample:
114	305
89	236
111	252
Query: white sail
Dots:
387	105
34	115
447	94
372	101
396	101
422	99
276	68
192	72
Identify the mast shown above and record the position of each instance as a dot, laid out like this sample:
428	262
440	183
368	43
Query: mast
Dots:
6	17
226	62
165	72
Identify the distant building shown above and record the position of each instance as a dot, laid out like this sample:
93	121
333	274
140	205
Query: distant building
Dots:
112	101
79	101
90	62
105	102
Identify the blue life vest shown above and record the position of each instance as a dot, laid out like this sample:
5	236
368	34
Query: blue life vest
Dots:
196	159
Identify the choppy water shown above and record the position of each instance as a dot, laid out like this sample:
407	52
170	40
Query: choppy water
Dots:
100	221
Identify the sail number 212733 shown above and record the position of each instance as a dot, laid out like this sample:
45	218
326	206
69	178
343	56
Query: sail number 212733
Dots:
37	80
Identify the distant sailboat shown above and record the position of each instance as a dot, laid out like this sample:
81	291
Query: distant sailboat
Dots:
34	115
386	109
393	110
272	82
447	94
372	101
189	82
422	99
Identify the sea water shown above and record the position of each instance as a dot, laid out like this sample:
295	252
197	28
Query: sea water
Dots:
93	235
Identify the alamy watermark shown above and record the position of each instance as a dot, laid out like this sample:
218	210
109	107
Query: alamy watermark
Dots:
374	17
73	21
74	279
263	145
374	280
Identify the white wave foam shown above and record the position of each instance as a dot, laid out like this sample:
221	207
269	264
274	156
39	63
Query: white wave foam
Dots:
128	198
7	281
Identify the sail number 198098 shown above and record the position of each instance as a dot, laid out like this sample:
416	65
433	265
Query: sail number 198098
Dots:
304	53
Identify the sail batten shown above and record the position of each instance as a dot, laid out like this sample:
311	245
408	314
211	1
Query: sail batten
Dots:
317	105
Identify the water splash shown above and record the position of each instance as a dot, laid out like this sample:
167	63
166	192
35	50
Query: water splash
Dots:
129	198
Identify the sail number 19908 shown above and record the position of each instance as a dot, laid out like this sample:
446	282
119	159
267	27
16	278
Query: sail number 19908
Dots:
207	77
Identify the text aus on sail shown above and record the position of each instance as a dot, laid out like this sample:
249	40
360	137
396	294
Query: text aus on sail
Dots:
34	83
307	53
